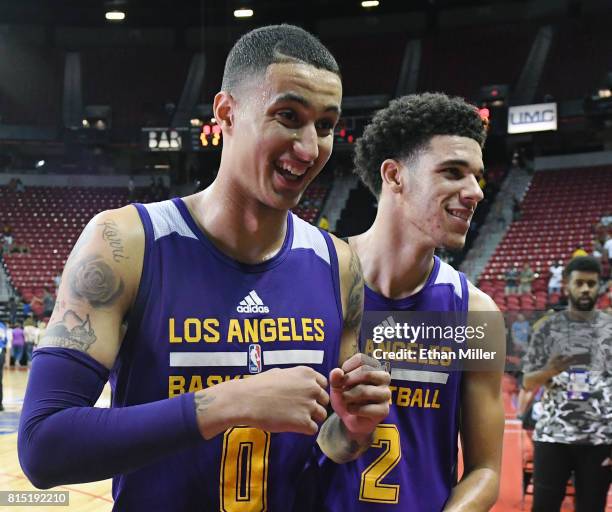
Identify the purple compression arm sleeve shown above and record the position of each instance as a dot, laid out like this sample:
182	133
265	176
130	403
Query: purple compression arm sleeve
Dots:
64	439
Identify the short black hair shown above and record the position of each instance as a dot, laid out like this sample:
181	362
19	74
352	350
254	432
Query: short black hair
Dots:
582	264
406	126
256	50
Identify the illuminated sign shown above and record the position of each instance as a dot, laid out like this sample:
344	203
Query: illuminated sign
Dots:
163	139
532	118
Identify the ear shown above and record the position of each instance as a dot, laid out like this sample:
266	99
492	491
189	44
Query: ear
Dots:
391	174
223	109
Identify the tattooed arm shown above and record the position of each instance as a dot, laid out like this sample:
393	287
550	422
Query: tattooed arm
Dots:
100	283
360	387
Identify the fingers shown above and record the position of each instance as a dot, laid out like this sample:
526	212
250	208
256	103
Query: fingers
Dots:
367	375
319	414
358	360
373	412
336	378
366	394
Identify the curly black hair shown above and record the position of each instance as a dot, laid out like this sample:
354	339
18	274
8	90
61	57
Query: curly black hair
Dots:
407	125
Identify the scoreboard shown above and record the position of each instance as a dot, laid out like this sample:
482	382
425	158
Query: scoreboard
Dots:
195	138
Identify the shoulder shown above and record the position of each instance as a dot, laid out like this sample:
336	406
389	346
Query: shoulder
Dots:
351	278
112	244
479	300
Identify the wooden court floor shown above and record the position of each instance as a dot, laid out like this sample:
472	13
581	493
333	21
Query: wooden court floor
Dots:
97	497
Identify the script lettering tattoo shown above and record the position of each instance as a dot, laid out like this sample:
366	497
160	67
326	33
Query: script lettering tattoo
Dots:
93	280
70	332
110	234
202	402
354	308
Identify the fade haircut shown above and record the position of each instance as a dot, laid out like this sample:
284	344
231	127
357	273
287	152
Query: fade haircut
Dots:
274	44
582	264
405	127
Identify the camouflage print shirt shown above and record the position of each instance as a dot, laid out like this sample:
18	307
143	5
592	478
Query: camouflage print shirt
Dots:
582	418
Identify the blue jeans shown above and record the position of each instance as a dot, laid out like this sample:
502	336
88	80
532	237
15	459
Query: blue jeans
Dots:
17	352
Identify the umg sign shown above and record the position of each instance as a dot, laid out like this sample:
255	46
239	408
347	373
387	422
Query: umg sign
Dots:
532	118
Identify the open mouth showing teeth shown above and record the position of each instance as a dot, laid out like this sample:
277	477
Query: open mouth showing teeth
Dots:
288	172
460	215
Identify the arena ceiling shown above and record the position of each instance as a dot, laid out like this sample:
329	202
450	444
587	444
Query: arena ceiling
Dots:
182	13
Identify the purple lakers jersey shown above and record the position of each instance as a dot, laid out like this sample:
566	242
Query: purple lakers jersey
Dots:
202	318
412	463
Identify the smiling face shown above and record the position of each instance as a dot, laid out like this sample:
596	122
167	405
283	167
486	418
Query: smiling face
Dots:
440	189
281	132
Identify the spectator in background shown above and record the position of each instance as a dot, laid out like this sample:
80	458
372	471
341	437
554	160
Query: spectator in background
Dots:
526	279
571	355
579	251
556	276
131	189
19	186
324	223
18	343
29	332
57	280
12	310
521	330
607	252
27	307
48	302
512	278
516	209
3	345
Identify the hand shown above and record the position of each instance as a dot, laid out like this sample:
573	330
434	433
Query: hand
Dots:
280	400
360	393
557	364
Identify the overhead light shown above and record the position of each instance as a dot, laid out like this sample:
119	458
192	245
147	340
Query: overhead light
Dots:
243	13
370	3
115	15
40	163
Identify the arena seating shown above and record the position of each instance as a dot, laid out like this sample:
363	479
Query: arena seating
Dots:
557	215
48	221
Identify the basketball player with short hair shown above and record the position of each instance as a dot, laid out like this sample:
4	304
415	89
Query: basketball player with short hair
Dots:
422	158
175	302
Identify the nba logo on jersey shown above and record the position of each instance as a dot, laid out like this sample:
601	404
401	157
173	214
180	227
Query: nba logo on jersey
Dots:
254	358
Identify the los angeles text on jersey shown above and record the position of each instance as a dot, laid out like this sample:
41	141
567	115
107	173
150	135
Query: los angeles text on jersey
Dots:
246	330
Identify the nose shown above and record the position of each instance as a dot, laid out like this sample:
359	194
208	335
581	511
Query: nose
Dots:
472	194
306	143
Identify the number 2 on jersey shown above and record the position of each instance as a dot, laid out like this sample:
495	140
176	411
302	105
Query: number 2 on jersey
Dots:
372	489
244	470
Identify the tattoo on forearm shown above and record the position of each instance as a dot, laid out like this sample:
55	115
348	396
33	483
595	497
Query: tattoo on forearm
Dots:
335	443
110	234
202	402
70	332
93	280
354	308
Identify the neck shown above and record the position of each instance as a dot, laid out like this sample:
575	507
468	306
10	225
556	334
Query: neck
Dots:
240	226
396	262
577	314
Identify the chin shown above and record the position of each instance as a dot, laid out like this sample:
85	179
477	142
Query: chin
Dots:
454	243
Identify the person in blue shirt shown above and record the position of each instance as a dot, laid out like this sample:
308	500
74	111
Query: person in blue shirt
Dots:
3	340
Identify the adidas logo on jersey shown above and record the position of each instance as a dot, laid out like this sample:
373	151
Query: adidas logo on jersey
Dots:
252	303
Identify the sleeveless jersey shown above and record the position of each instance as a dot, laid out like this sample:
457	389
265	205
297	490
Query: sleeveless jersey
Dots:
202	318
411	466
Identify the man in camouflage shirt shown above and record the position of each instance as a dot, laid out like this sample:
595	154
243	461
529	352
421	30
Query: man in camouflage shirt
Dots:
571	354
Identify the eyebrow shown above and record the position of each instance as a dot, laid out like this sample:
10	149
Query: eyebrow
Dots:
291	96
459	163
